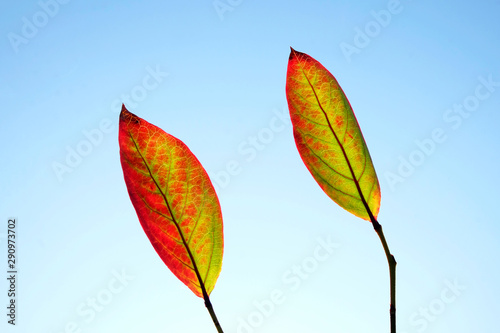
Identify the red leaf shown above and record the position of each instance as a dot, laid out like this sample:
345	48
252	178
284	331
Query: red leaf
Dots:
175	201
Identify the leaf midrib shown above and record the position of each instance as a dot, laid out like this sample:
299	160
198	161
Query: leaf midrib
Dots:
195	267
358	187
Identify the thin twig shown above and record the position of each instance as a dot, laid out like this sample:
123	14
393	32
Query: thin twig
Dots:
210	309
392	272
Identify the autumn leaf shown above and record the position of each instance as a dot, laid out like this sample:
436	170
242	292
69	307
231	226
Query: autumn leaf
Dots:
175	201
328	137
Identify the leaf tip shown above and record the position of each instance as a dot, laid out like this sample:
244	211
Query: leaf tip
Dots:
126	115
294	54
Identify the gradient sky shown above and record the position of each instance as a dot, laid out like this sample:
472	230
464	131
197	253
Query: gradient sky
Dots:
423	78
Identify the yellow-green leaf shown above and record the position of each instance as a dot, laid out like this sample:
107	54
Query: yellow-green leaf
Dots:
328	137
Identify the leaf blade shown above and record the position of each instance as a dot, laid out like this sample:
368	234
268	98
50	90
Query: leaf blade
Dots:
328	137
174	200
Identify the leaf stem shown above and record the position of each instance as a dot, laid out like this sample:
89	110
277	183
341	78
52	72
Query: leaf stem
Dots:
392	272
210	309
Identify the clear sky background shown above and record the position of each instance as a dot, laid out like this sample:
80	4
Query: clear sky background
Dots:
423	78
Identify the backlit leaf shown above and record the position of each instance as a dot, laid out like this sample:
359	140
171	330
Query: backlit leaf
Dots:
175	201
328	137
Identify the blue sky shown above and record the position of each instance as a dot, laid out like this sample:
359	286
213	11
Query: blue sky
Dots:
423	79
